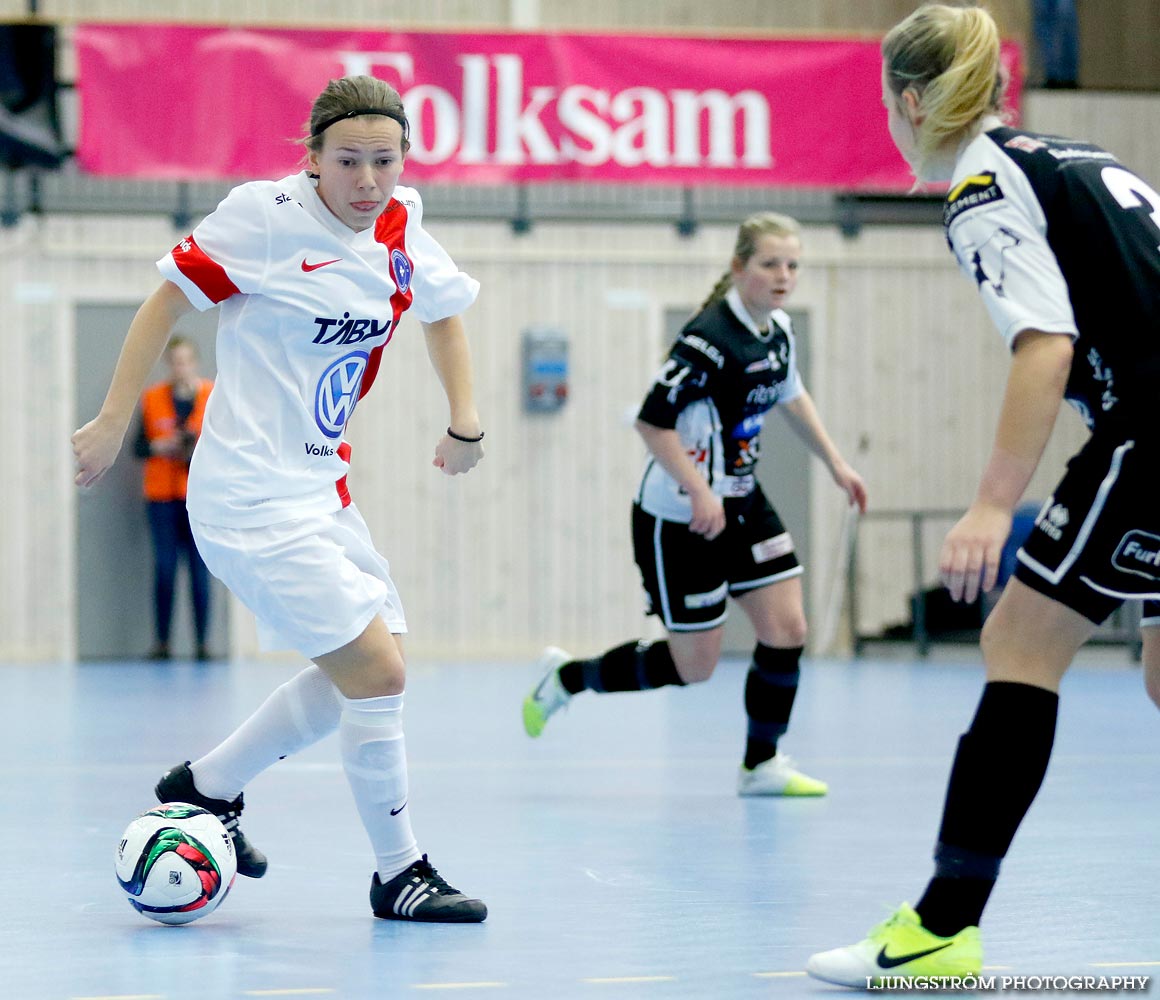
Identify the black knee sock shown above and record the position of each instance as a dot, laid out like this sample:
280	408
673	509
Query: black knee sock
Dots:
633	666
997	772
770	690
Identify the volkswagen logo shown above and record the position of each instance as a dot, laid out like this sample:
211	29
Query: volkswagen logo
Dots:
338	392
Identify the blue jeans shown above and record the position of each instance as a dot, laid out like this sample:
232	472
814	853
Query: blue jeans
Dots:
169	524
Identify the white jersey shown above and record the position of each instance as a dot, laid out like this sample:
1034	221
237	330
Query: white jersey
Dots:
307	306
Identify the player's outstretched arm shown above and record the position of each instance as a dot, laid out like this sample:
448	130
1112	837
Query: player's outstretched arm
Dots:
96	444
802	416
450	356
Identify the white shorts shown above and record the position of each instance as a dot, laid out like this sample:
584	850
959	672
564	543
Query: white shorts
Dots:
314	583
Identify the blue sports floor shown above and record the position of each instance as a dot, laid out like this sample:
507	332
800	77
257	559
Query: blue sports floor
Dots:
615	858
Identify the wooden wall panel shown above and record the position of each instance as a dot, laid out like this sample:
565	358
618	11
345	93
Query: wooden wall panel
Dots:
1117	41
533	546
1126	124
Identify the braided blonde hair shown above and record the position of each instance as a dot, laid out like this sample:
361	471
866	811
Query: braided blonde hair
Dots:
750	231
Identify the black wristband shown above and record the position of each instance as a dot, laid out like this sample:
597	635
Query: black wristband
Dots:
459	437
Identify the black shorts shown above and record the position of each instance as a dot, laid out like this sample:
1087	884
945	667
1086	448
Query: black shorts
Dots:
1096	542
687	578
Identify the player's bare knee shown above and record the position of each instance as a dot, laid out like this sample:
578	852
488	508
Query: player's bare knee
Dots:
991	639
790	633
371	678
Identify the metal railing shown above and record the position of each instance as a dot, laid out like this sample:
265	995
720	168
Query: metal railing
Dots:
1121	628
32	191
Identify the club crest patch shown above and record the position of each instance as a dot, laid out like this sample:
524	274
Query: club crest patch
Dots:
401	270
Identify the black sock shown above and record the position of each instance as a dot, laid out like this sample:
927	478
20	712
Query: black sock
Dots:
632	666
998	769
770	689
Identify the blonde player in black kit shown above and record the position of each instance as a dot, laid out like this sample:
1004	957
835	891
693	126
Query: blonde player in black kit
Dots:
702	527
1063	242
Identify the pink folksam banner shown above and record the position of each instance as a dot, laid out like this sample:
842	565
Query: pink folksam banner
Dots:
199	103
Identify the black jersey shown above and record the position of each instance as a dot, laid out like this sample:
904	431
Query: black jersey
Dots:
1060	237
722	376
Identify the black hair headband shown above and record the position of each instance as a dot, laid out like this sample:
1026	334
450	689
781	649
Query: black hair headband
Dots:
397	116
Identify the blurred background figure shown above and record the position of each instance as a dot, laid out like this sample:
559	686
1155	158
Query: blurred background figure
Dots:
1055	26
171	415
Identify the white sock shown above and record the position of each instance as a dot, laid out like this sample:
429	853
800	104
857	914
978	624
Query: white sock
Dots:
297	714
370	732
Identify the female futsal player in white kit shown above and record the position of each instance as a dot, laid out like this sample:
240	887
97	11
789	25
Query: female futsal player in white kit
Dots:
312	274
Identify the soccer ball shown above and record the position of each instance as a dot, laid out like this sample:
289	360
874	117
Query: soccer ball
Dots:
176	863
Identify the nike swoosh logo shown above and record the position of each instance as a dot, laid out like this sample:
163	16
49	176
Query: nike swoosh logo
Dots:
395	812
314	267
886	962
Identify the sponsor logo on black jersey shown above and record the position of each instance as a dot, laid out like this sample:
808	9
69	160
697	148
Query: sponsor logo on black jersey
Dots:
674	376
749	427
763	395
348	330
707	349
1083	153
1102	374
1139	553
971	192
1026	143
748	452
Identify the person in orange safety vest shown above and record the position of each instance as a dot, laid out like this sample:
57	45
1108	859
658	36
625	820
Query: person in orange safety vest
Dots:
171	416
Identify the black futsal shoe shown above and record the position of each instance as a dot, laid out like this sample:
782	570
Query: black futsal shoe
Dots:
176	785
419	893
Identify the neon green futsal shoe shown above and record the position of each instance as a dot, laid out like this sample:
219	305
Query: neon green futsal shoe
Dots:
778	776
900	949
549	696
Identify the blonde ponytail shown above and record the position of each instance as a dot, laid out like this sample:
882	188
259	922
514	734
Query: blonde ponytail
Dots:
949	57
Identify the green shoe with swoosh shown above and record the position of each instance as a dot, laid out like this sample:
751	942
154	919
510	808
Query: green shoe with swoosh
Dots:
900	947
549	696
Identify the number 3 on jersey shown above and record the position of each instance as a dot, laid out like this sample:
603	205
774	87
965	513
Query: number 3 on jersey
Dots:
1131	192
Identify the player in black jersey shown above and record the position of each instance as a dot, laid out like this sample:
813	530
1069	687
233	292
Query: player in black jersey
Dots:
1064	244
702	528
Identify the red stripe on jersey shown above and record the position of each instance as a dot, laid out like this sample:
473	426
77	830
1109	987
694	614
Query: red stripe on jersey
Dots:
372	368
391	232
340	484
205	272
